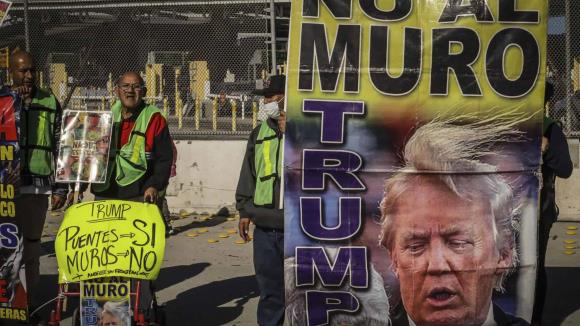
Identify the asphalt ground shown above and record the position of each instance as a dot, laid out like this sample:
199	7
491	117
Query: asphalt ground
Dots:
212	283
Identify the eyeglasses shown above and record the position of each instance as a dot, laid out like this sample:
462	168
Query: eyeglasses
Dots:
129	87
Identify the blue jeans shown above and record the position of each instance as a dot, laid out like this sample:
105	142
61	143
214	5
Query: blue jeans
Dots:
269	266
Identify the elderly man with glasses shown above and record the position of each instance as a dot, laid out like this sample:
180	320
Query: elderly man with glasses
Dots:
140	155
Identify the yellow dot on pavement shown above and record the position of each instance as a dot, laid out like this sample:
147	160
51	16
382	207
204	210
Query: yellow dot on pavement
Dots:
223	235
569	241
212	240
232	231
572	227
240	242
570	247
569	252
202	231
571	232
192	234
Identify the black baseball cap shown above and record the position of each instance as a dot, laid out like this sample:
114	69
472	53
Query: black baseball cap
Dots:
274	85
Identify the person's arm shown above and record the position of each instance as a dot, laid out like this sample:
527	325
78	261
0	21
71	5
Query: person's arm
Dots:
247	180
246	187
557	155
162	153
59	189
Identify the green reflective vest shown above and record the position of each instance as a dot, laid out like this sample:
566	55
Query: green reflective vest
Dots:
37	133
131	160
267	164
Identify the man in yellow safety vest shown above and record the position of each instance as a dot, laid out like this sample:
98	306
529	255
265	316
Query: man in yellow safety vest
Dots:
258	200
39	123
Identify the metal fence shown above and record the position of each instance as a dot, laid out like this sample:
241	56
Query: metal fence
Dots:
564	63
200	59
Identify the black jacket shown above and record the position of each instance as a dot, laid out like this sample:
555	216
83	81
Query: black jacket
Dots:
265	217
556	162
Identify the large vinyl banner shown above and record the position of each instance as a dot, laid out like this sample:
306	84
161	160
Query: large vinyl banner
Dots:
13	298
411	160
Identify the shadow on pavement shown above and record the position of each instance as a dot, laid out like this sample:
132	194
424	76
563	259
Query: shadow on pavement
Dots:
213	221
563	293
47	248
216	303
169	276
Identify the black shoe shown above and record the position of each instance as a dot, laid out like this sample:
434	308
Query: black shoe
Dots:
169	231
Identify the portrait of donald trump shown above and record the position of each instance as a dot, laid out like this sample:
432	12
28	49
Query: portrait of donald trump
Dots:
449	222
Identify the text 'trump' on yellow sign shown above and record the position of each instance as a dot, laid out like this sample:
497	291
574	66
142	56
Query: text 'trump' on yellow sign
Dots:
110	238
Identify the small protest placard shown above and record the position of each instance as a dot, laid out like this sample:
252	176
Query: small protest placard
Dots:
105	302
84	146
110	238
4	7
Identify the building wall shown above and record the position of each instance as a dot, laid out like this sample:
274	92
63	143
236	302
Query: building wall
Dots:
208	170
207	175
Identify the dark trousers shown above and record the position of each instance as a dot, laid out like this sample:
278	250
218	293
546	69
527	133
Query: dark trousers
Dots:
542	277
30	215
269	266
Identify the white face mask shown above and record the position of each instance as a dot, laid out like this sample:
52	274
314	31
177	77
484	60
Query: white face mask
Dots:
272	109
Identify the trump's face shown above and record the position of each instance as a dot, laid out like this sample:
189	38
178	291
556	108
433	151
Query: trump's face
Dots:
110	320
444	255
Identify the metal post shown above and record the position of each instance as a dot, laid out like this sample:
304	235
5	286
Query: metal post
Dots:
234	106
26	27
273	35
214	113
197	110
568	68
254	114
243	101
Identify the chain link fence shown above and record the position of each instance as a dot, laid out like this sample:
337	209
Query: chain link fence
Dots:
564	64
200	60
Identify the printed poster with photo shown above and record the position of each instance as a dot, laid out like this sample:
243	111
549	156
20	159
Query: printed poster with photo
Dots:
4	7
412	152
105	302
84	146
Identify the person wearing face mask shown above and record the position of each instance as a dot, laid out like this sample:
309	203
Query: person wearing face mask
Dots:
258	201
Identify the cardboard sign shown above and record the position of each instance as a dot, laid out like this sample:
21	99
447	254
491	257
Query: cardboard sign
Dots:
411	151
13	298
110	238
84	146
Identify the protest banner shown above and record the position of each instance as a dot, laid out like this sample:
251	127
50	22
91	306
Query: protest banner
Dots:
4	7
84	146
105	302
13	298
110	238
412	146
